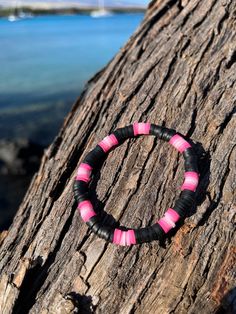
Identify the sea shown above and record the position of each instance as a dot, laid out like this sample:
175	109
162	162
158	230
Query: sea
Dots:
45	62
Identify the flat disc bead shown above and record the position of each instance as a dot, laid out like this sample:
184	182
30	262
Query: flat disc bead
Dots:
191	181
122	237
179	143
86	210
141	128
108	142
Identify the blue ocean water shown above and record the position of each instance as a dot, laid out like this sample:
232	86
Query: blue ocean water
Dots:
45	62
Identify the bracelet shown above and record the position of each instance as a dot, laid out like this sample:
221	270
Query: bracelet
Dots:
157	231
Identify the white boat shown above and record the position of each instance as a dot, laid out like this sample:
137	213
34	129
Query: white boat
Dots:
101	11
18	14
24	15
13	18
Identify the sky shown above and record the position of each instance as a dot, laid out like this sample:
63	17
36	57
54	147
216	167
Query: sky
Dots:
82	2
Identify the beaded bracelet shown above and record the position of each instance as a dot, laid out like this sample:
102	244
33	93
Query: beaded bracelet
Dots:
158	230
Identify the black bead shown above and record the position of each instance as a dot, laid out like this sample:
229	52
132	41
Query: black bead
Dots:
162	132
100	230
104	232
188	194
80	186
189	153
124	133
181	203
145	235
81	197
93	220
191	160
167	134
181	212
180	208
186	203
160	234
129	131
95	228
118	135
137	236
156	130
111	236
190	166
151	233
95	157
80	189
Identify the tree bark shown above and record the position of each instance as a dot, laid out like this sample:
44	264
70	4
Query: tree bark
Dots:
179	70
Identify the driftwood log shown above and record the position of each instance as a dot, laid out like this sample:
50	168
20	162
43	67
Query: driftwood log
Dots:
178	69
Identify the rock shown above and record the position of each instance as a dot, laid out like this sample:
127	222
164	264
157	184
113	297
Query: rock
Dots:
19	157
19	160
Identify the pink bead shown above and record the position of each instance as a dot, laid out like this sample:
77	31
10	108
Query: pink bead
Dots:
86	215
86	166
117	236
169	219
128	242
108	142
192	175
85	203
179	143
82	178
131	236
141	128
135	128
114	139
86	210
123	238
191	181
173	214
164	225
188	186
84	172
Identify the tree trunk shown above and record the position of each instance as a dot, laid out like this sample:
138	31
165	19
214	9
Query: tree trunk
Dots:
178	70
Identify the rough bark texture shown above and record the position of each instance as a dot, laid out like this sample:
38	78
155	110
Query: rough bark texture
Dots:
179	70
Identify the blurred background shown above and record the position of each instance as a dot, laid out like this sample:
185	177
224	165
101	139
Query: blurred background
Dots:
48	50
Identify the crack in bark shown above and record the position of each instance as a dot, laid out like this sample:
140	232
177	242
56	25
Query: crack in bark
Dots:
231	60
224	18
193	123
96	263
186	18
214	203
208	12
226	121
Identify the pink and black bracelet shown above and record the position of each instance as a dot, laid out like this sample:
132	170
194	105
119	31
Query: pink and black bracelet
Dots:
158	230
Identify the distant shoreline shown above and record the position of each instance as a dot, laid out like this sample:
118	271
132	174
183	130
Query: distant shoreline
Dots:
6	11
